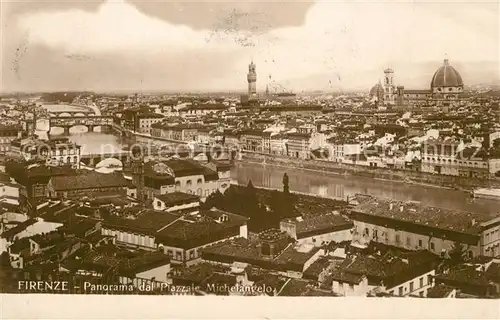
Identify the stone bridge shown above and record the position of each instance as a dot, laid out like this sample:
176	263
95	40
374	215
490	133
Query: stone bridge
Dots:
89	121
70	113
125	157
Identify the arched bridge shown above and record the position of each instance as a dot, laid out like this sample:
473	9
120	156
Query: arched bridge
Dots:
71	113
89	121
126	157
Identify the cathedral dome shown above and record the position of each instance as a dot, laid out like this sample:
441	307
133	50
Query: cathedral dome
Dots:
377	90
446	76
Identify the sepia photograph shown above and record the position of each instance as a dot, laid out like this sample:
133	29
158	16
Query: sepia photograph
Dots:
326	149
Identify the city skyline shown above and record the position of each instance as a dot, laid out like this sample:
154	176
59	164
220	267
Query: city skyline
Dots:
144	46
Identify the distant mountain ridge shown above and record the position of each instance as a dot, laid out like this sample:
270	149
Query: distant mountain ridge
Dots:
416	76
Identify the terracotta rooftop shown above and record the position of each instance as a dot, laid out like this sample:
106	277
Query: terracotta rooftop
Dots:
442	218
464	275
439	291
341	276
177	198
89	180
148	221
197	273
201	227
295	288
242	250
133	265
321	222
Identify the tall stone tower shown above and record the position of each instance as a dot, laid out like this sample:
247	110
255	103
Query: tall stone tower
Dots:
137	168
389	87
252	80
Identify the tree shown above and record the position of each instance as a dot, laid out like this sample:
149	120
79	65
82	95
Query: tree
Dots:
251	192
215	199
286	187
457	253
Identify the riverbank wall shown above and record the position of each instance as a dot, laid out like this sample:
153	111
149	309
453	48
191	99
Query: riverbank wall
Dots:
404	176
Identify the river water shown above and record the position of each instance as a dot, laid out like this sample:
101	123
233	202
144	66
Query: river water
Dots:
90	142
338	186
320	183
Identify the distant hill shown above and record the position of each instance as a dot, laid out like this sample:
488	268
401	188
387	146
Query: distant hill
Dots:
20	95
66	97
417	76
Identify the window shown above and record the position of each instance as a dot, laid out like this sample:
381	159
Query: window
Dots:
158	203
411	286
421	282
188	183
408	241
178	255
421	293
199	181
366	232
400	291
397	238
420	243
432	246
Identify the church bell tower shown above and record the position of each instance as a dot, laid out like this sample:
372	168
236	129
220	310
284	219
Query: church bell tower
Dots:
389	88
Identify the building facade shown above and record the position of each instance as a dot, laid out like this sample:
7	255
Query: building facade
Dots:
414	226
446	86
440	157
8	133
187	176
53	152
145	121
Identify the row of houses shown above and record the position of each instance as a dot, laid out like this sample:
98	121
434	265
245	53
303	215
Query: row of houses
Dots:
378	247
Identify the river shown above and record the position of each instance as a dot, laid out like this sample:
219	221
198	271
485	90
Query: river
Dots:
90	142
331	185
320	183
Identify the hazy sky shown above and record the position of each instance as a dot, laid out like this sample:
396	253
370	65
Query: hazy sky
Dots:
203	45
